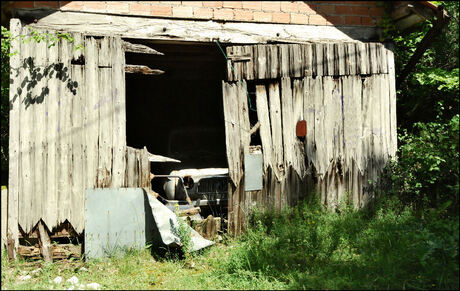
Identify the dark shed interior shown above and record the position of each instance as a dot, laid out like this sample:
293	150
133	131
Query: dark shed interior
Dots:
178	114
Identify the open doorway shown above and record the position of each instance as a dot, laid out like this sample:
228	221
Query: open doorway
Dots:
178	114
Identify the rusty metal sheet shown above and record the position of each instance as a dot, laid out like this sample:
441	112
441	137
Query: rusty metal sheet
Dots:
114	221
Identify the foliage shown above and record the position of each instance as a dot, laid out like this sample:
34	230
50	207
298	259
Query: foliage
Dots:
427	173
184	232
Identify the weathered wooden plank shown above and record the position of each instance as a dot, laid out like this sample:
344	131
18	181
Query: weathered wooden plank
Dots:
14	155
384	117
248	66
144	168
317	59
190	30
296	64
232	131
284	60
91	117
373	60
260	68
230	74
308	59
105	107
309	115
328	56
276	126
26	133
288	128
392	101
320	139
77	201
362	59
298	114
351	59
119	113
337	117
51	120
130	167
141	69
330	124
139	48
265	131
44	242
243	116
230	210
273	61
383	59
39	196
65	133
342	59
4	206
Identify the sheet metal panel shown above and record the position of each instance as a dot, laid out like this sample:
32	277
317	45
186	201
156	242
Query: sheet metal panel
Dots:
114	220
253	172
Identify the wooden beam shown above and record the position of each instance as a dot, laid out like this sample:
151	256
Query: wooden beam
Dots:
141	69
140	49
193	30
254	128
45	242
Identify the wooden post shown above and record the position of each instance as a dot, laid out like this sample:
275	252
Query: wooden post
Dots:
13	172
4	216
45	242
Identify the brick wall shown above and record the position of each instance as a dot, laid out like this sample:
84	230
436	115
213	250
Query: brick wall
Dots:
355	13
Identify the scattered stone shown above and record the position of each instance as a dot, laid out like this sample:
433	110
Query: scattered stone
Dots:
57	280
36	271
93	286
83	269
71	287
73	280
81	287
24	278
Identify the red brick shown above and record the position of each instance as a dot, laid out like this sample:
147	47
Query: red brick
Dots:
243	15
94	6
343	10
117	7
223	14
158	10
353	20
19	4
335	20
281	17
326	9
232	4
270	6
192	3
262	16
255	5
139	8
358	10
203	13
289	6
297	18
47	4
216	4
369	21
376	11
182	11
306	8
317	20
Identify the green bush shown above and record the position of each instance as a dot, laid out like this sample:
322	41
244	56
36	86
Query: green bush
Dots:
427	172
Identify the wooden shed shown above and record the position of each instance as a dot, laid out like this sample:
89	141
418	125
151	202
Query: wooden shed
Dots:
77	116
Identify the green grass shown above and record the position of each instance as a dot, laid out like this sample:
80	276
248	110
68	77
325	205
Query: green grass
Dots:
388	247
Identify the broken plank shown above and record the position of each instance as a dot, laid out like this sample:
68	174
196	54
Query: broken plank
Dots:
44	242
141	69
140	49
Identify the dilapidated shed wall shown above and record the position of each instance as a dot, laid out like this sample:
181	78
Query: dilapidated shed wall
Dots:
67	129
344	91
